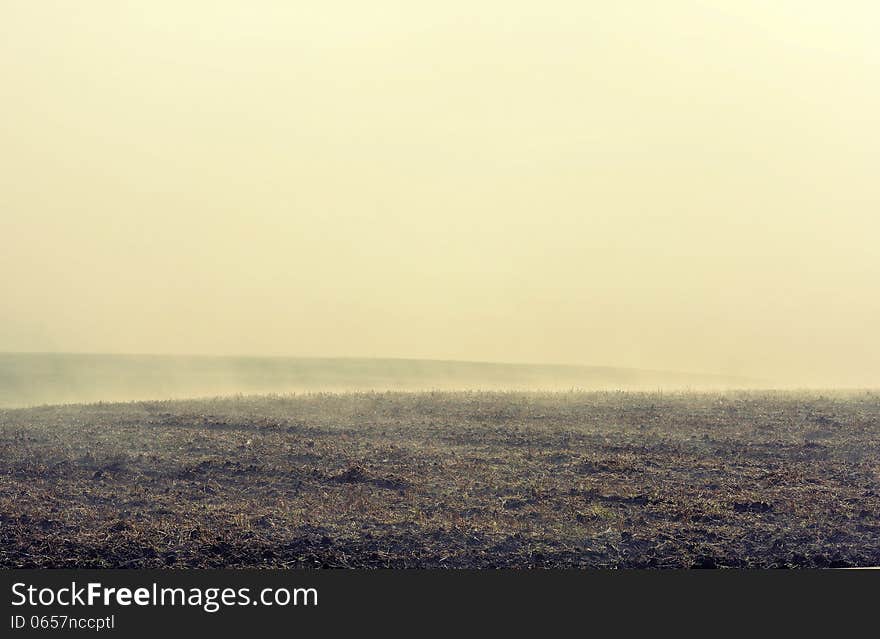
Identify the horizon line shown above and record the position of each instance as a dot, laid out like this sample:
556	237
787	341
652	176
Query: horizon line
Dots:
385	358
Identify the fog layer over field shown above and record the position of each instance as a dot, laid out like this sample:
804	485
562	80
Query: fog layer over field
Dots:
32	379
678	185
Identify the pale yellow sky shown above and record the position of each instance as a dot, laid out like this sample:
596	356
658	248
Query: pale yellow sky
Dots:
676	185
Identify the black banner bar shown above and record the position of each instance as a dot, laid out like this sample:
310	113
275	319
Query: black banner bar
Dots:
278	603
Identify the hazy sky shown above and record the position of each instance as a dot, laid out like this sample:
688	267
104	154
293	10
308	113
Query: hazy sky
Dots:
686	185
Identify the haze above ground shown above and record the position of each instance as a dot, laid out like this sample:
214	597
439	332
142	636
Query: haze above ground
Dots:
28	379
687	185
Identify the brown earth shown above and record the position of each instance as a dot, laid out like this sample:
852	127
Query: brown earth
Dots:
453	480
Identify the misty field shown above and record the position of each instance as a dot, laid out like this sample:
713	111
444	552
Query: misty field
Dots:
456	480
